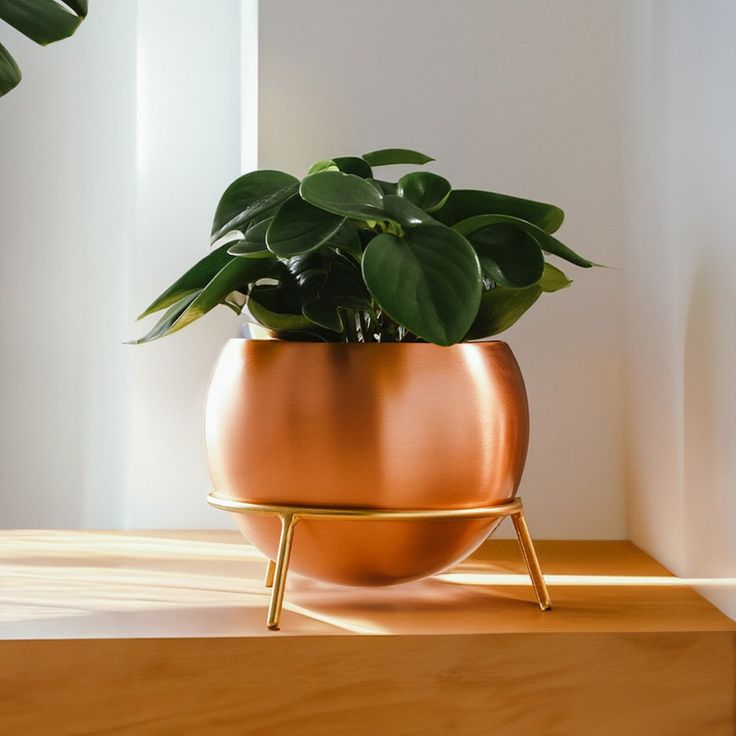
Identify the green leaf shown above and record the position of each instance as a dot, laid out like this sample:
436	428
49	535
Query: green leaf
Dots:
43	21
390	156
386	187
78	6
553	279
324	314
344	285
545	240
424	189
500	308
324	165
342	194
299	227
236	275
354	165
197	277
508	254
429	281
168	318
347	240
10	74
275	320
253	244
466	203
249	196
404	212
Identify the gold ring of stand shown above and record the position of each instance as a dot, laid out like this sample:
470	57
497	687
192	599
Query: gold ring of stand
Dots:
290	515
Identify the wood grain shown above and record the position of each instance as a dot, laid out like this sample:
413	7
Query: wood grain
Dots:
109	633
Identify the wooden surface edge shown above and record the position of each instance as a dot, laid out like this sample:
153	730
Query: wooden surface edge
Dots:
593	683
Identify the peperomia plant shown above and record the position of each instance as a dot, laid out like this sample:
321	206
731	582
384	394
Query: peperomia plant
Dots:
341	256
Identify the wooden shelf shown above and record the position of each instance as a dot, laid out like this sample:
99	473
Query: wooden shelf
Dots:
163	632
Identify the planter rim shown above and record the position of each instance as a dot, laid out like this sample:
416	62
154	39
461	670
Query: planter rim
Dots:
413	345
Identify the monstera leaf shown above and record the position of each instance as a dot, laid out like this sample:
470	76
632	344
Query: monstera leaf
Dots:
43	21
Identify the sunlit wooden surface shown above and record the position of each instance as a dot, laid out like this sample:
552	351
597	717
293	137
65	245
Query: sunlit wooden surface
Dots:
163	632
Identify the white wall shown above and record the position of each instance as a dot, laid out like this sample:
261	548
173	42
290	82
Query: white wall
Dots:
681	287
525	98
188	152
67	147
114	149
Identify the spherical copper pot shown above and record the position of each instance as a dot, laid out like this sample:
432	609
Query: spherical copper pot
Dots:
399	426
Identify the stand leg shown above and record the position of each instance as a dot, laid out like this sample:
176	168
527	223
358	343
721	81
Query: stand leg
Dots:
268	582
280	569
530	558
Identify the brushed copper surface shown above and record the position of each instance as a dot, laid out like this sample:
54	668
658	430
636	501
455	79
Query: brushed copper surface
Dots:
403	426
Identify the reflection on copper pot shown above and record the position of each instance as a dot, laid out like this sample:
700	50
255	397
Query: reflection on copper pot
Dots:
402	426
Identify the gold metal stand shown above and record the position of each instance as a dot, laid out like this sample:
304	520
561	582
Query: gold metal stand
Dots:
290	515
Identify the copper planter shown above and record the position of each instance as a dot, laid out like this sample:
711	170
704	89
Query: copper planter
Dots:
385	426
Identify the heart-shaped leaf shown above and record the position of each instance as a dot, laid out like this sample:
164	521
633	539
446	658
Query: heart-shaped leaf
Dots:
546	242
391	156
249	196
500	308
466	203
343	194
424	189
10	74
299	227
196	278
353	165
429	280
553	279
508	254
404	212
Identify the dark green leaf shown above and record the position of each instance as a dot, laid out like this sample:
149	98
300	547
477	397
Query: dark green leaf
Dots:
342	194
347	240
43	21
10	74
275	320
353	165
404	212
249	196
196	278
168	318
386	187
253	244
428	281
553	279
424	189
390	156
324	165
78	6
500	308
508	254
545	240
324	314
298	227
344	285
465	203
236	275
